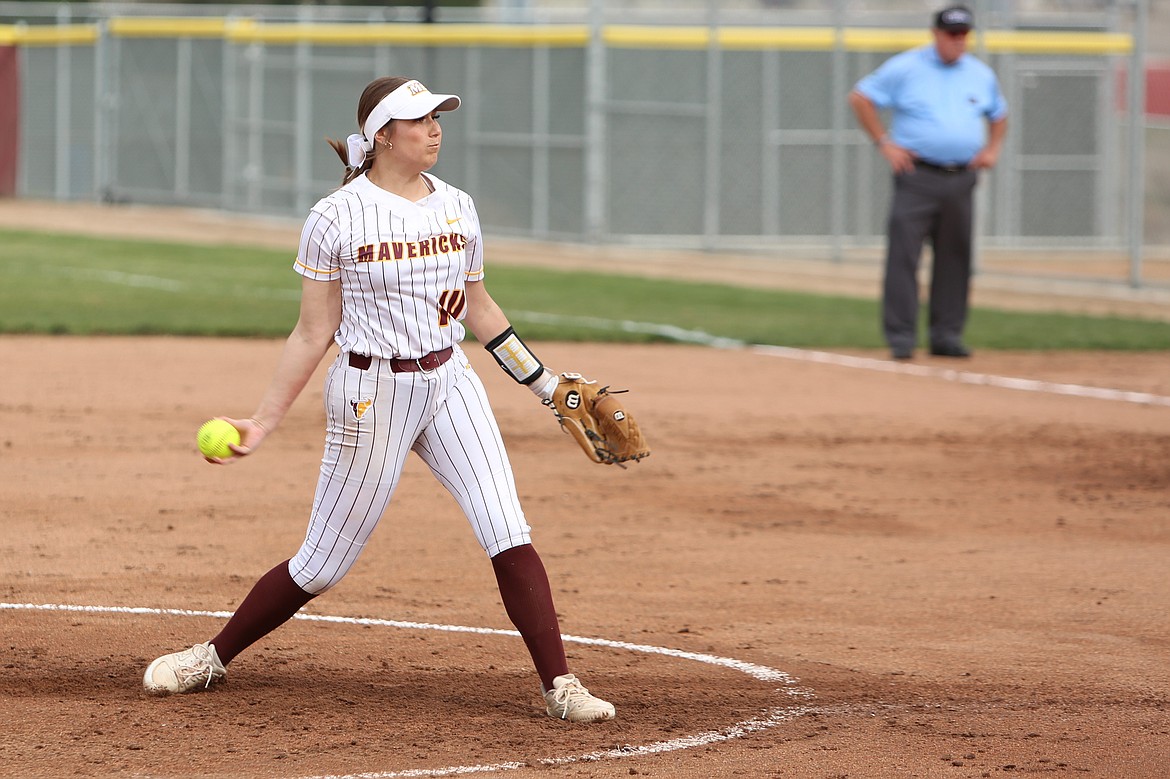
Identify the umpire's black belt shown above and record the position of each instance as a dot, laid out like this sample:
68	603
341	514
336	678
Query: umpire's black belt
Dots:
428	362
940	168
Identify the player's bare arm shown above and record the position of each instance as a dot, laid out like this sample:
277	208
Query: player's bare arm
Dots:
492	329
484	317
310	339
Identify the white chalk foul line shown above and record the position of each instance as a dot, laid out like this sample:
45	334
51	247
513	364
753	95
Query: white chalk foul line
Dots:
861	363
165	284
771	718
963	377
669	332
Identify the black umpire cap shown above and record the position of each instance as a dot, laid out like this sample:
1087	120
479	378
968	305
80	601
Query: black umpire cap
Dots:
957	18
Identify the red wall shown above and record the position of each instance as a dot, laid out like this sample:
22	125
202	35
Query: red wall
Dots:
1158	90
9	118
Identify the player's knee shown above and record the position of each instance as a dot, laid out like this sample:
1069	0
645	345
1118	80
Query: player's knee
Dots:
314	583
499	547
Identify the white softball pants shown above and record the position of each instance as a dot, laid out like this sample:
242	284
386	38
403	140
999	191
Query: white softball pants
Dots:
374	419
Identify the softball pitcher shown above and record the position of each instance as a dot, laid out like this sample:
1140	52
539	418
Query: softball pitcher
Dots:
392	271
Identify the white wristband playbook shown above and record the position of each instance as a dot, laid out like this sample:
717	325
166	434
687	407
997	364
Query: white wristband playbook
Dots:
521	364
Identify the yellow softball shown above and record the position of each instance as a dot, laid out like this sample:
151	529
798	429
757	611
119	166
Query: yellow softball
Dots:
214	436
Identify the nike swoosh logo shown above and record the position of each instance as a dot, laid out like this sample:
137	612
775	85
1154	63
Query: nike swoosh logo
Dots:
453	221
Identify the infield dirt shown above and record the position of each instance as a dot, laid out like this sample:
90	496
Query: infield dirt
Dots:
971	581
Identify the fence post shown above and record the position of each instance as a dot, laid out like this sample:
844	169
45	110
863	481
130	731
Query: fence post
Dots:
541	140
1137	140
840	178
714	131
184	76
303	197
106	91
230	124
595	107
63	112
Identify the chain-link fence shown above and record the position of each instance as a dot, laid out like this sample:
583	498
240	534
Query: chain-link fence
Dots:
708	125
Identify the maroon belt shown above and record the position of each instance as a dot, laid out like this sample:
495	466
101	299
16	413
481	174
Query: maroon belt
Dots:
428	362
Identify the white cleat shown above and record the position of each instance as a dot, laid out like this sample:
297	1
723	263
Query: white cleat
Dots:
568	700
192	669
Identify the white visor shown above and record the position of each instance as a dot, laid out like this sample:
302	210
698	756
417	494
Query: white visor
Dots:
412	100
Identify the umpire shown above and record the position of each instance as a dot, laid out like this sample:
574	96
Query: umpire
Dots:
948	119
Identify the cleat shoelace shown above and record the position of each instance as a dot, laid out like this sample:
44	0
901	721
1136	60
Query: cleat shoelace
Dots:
198	666
563	694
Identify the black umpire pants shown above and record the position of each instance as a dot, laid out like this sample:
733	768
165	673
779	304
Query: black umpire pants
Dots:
936	205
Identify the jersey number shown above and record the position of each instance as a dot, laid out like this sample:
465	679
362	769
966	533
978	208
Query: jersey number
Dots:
452	303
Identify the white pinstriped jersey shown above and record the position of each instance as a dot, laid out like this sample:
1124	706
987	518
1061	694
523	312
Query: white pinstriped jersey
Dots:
403	265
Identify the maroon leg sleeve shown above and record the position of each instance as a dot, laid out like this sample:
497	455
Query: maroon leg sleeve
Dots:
272	602
528	601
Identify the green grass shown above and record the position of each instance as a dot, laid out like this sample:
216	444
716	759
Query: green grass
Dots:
70	284
66	284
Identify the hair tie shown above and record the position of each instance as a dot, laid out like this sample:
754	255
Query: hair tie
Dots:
359	148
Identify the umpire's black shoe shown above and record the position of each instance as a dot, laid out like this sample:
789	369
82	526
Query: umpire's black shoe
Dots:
950	350
902	352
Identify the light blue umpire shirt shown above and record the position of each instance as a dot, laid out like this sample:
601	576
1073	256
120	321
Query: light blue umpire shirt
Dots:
939	111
